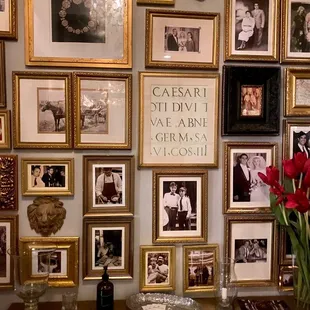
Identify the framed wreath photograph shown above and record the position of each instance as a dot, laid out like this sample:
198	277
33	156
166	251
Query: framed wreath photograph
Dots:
5	129
182	39
102	110
244	190
47	176
200	268
157	268
108	242
2	74
252	30
42	110
251	241
178	119
78	33
180	206
8	20
286	278
64	261
251	100
285	249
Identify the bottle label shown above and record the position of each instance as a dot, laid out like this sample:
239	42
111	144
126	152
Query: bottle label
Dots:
106	301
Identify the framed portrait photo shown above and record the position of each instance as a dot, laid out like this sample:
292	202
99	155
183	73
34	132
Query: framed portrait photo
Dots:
5	129
251	241
8	239
157	268
286	278
180	39
180	205
96	34
102	110
252	29
42	110
2	74
108	242
200	268
285	249
8	20
244	190
47	176
64	261
178	119
251	100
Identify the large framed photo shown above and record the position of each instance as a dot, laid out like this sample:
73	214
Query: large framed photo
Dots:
180	39
180	205
47	176
178	119
108	185
286	278
8	20
2	74
42	110
285	249
64	261
8	239
108	242
78	33
200	268
252	29
157	268
251	100
5	129
244	190
102	110
251	241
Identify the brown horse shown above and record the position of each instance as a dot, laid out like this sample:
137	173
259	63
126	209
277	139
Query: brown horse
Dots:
58	110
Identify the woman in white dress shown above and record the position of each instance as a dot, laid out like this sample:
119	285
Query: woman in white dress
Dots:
182	42
247	26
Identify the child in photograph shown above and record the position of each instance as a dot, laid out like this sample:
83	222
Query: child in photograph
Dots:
170	203
184	210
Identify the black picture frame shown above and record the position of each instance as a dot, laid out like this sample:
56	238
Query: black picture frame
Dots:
264	122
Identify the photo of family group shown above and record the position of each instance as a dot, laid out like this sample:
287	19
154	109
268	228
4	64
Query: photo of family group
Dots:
251	250
3	253
48	176
251	100
157	268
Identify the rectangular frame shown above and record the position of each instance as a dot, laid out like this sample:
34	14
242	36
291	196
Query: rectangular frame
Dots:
68	244
154	2
254	182
212	248
2	75
285	241
11	30
67	190
81	60
124	139
159	250
199	24
5	142
171	145
257	116
251	220
286	270
126	223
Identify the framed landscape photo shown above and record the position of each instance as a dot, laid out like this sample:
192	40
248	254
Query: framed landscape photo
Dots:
42	110
182	39
200	268
157	268
180	206
47	176
95	34
102	110
178	119
108	242
286	278
252	30
251	100
251	241
64	261
5	129
2	74
285	249
244	190
8	19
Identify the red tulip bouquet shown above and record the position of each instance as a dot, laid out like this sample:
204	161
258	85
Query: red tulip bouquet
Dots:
290	205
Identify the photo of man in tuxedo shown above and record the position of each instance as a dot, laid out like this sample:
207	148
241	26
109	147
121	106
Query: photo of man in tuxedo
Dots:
301	143
241	179
173	44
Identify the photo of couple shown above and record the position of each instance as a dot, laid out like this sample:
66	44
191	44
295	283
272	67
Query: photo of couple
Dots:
250	250
48	176
158	268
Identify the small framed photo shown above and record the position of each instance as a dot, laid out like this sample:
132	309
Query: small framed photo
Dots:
102	110
251	241
251	100
244	190
108	185
5	129
8	239
179	39
285	249
42	110
157	268
252	30
200	268
286	278
154	2
108	242
47	176
2	75
180	206
64	262
8	25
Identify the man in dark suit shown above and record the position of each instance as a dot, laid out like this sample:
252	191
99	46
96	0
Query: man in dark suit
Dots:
173	44
301	145
241	179
48	177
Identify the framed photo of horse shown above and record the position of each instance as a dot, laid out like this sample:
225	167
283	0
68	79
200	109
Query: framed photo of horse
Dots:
102	110
42	110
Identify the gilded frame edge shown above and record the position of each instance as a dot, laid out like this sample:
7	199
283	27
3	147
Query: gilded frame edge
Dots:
12	34
281	272
2	76
282	249
154	2
7	145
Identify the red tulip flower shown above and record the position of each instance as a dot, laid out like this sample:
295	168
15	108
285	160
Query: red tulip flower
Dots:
271	177
298	201
306	180
300	160
290	169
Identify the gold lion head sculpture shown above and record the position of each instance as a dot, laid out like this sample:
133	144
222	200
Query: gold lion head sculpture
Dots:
46	215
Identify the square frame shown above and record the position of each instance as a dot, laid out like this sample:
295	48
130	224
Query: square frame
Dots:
268	122
12	32
2	75
5	116
286	270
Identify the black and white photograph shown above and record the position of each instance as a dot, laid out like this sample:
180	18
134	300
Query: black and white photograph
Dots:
287	279
48	176
251	251
301	141
157	268
3	253
55	263
2	5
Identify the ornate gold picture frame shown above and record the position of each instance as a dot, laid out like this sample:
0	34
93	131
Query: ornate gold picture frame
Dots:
154	2
8	26
285	248
2	76
286	278
5	129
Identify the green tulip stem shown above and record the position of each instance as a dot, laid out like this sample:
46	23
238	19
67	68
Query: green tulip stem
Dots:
284	214
300	180
294	186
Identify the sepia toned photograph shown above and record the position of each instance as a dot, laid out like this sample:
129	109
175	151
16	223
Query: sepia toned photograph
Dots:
5	129
157	268
251	100
251	251
2	5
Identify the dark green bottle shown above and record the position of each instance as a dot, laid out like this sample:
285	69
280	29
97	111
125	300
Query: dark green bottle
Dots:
105	292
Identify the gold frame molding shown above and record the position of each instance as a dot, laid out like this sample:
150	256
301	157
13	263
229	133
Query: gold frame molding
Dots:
144	249
127	78
154	2
13	32
282	271
70	244
282	249
7	129
81	62
2	75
